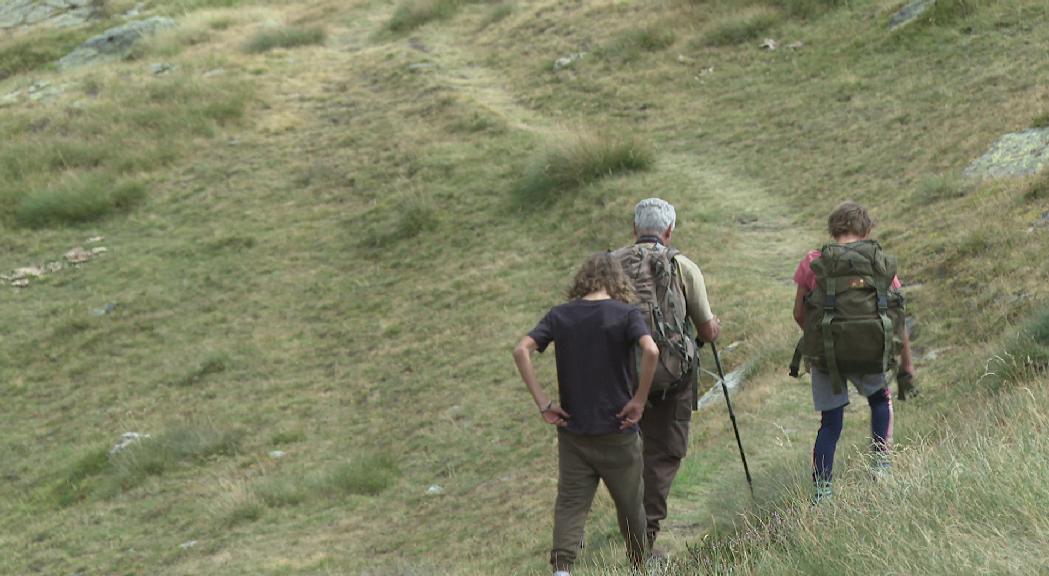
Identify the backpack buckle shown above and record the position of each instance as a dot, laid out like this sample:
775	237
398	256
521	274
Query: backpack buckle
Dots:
830	302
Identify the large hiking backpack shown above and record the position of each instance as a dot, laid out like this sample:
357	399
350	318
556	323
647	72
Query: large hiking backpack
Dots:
661	299
854	319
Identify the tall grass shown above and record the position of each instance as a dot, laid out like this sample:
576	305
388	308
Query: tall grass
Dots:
631	44
101	474
411	14
23	54
287	37
975	501
58	169
579	161
77	200
748	24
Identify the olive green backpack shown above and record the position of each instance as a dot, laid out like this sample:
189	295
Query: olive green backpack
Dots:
854	318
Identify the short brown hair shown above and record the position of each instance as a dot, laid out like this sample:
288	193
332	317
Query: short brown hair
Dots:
602	271
849	218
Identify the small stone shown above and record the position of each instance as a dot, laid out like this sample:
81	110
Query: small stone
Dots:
909	13
795	45
420	66
769	44
28	271
161	68
568	61
214	72
78	256
187	545
22	283
127	439
434	490
107	309
277	454
682	59
10	98
99	250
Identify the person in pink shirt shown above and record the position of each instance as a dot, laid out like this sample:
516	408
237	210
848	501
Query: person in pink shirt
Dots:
848	223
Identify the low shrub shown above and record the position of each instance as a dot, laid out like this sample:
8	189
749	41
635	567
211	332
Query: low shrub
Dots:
288	37
632	44
807	8
77	200
28	53
411	14
747	25
366	475
497	13
580	161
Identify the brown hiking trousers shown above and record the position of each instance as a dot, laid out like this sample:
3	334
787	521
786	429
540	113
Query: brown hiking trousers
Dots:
664	433
615	459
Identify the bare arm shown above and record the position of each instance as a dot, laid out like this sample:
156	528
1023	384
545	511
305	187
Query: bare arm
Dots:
906	360
551	413
799	307
709	330
631	413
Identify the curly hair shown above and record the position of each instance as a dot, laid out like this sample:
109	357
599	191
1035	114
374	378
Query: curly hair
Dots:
602	272
849	218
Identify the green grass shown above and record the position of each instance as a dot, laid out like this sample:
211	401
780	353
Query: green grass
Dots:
78	200
369	475
632	44
79	167
497	13
21	54
581	160
411	14
747	25
287	37
280	230
1041	121
212	364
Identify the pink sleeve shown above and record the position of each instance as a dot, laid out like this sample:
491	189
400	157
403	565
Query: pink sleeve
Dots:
804	276
896	282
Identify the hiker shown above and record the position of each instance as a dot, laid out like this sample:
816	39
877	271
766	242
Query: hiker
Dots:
850	309
597	411
673	298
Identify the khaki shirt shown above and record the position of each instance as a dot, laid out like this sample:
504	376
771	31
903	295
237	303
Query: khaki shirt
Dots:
697	306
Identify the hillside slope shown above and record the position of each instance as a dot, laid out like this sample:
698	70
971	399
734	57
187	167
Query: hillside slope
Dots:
324	232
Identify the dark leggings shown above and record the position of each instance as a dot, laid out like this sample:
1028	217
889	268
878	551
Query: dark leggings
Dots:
831	423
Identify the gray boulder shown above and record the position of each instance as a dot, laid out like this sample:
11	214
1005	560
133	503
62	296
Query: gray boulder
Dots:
15	13
1017	154
909	13
115	42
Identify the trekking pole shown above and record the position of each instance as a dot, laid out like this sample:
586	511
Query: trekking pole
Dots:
732	416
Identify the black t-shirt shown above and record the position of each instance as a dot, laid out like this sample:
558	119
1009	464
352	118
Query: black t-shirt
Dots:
594	347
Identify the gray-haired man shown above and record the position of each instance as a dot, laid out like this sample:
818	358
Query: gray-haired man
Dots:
665	424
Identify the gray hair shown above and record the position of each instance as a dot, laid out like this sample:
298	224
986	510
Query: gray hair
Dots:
654	216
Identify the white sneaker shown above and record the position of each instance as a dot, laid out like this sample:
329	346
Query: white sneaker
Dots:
561	573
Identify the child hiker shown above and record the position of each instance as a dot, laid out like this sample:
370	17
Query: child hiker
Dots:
849	306
597	412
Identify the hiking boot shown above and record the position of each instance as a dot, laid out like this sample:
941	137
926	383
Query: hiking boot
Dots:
881	466
823	493
657	562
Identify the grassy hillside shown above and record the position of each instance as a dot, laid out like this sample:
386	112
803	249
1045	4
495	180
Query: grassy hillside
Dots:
328	222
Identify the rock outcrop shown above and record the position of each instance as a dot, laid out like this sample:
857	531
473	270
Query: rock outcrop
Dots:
60	13
115	42
1017	154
